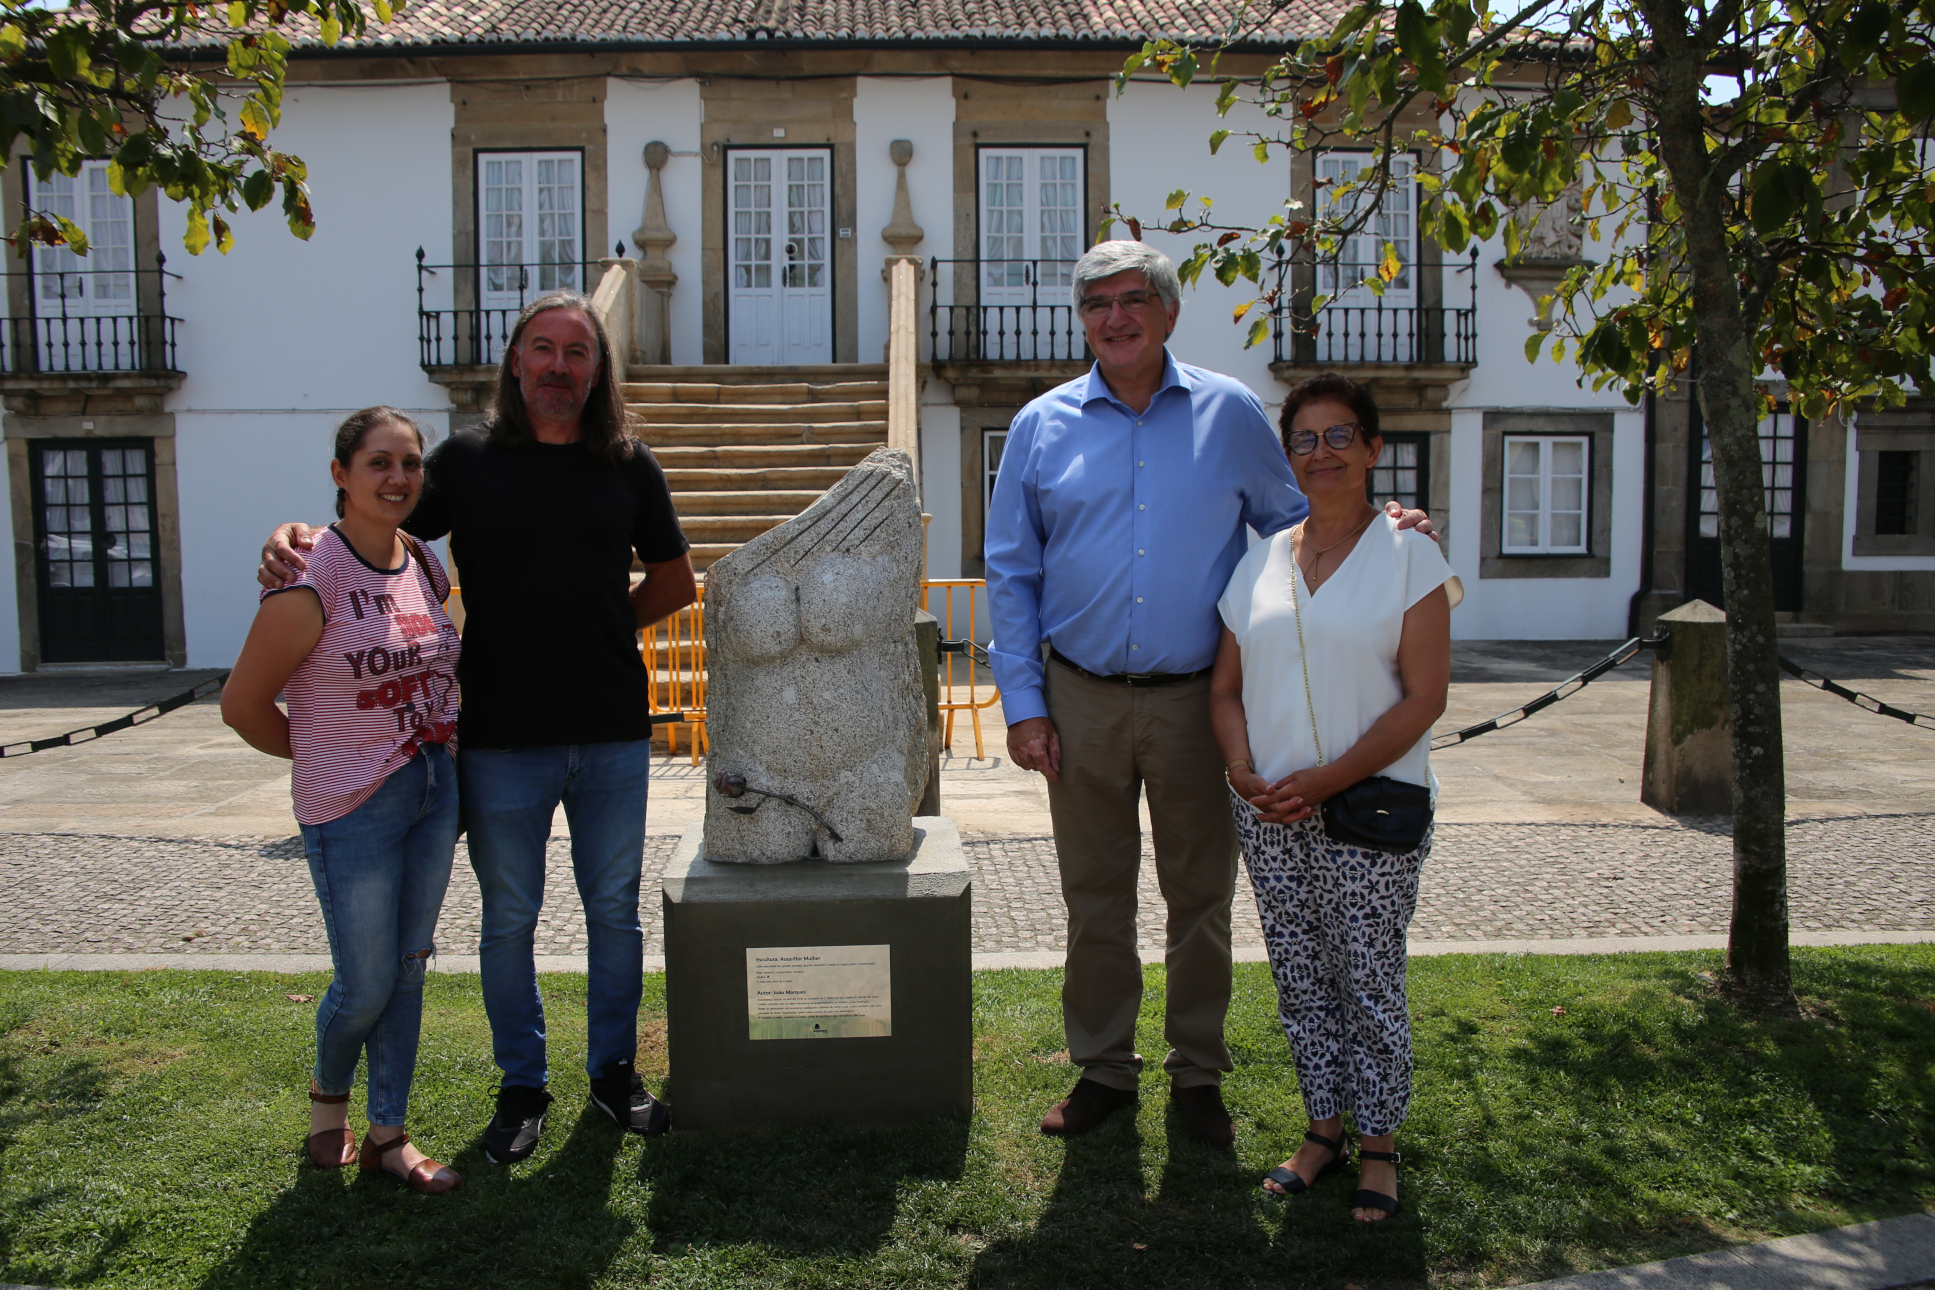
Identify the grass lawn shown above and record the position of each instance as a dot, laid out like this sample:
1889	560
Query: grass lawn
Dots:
1570	1113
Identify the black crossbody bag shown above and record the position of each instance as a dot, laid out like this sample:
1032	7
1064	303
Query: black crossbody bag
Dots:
1378	813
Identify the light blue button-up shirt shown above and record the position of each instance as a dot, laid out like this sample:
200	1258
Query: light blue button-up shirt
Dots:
1111	534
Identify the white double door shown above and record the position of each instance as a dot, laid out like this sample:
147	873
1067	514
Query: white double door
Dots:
1031	236
1357	325
779	209
530	235
85	306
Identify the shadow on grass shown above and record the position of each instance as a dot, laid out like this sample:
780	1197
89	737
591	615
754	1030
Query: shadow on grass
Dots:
1657	1119
549	1226
1205	1223
816	1191
47	1094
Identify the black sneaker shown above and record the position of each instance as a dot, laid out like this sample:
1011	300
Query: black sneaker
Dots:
512	1134
622	1095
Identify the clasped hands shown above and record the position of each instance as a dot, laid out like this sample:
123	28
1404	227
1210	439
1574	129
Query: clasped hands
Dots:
1293	798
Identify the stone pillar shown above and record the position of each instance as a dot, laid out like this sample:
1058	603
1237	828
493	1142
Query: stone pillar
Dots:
901	232
1689	725
655	275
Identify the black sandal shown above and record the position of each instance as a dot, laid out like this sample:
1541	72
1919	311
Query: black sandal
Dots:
1288	1179
1363	1198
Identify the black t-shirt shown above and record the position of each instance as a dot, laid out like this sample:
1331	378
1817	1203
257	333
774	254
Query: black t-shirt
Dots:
543	536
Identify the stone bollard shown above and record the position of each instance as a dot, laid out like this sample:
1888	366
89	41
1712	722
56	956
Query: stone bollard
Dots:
1689	724
927	631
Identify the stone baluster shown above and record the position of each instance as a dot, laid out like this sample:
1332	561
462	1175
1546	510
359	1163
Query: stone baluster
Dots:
655	273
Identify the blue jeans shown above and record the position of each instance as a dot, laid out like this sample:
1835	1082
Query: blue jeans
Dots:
380	873
510	795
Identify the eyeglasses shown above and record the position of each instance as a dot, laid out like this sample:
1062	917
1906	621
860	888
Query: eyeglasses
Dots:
1096	307
1339	437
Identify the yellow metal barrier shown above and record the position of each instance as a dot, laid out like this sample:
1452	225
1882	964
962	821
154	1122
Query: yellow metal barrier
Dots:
674	653
972	704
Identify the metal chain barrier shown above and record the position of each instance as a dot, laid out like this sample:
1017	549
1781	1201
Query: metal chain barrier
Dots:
139	717
1451	739
1855	697
1563	690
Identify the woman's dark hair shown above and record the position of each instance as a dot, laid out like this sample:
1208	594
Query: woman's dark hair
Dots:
603	420
1329	385
356	428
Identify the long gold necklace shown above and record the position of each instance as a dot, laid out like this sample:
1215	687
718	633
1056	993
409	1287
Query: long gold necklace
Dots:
1317	552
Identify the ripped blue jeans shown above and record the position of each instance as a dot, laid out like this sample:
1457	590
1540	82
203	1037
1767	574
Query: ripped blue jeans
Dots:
380	873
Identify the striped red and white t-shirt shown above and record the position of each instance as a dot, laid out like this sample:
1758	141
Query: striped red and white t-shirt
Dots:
381	681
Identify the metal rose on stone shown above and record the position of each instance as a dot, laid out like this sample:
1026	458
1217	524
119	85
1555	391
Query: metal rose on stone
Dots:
815	696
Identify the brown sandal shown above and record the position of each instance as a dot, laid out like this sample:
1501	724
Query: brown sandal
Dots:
424	1178
331	1148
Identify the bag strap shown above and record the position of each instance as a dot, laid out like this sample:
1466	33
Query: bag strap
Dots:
423	566
1303	656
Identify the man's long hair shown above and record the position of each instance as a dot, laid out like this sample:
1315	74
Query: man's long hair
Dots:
603	419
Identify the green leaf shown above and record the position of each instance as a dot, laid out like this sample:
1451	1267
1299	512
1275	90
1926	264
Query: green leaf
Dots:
196	238
384	14
1619	115
71	234
1262	151
1216	140
13	43
1776	197
257	189
1258	330
1417	38
1533	344
332	31
1867	28
1175	200
1182	68
1915	91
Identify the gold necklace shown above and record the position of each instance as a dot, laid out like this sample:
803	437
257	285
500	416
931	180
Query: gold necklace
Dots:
1317	552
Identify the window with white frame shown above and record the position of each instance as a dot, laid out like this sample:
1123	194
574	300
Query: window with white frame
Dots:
992	444
1546	478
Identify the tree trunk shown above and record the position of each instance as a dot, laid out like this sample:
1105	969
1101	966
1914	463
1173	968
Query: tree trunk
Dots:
1757	957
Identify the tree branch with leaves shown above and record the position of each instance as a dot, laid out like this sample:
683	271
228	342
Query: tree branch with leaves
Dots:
130	84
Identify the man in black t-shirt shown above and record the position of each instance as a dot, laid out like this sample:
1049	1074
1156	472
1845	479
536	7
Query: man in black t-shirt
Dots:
545	505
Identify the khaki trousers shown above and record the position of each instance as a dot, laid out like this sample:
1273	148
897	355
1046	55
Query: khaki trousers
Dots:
1118	741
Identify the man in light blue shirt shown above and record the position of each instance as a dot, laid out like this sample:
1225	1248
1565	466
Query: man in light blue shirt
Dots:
1118	514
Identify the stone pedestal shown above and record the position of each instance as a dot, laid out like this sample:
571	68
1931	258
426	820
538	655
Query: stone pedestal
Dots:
1689	724
918	908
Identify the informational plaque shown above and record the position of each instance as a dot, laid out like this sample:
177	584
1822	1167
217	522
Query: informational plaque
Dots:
819	992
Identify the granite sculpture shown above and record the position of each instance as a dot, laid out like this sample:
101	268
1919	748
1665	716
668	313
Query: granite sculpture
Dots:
815	715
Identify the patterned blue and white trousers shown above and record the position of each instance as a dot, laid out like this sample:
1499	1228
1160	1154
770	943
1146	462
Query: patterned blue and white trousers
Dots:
1334	920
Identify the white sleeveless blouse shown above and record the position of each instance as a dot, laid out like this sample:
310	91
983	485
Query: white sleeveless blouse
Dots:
1351	625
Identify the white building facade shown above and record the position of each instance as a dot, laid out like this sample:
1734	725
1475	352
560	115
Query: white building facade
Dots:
163	412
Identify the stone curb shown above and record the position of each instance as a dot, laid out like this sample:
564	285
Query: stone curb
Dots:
1027	959
1867	1256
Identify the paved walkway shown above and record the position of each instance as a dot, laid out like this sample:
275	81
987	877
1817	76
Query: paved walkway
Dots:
175	838
1884	1255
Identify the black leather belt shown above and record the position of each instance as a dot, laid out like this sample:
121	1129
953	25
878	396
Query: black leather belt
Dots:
1128	678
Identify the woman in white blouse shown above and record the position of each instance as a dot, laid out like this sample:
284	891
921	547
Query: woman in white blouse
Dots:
1322	683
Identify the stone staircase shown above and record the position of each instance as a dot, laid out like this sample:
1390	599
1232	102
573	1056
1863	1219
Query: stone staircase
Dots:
747	448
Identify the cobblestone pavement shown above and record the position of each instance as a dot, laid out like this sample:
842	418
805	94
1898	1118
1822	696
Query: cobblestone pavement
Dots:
90	893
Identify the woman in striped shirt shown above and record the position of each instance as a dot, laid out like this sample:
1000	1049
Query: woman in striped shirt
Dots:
367	660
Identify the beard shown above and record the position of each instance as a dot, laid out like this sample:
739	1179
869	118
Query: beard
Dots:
556	401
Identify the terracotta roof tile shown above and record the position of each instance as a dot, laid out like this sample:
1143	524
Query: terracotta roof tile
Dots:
1049	22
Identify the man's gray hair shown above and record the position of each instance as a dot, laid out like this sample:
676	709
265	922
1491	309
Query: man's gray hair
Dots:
1106	259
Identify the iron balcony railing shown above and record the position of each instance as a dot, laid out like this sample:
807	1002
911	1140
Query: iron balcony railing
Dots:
91	320
472	333
1381	332
1004	311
